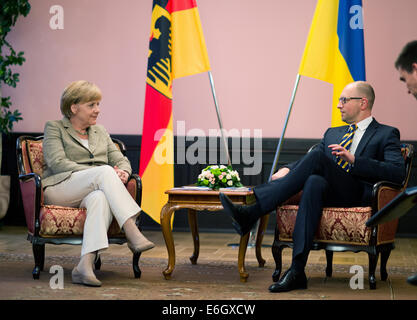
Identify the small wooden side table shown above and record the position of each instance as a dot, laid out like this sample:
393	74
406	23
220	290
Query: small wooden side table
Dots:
197	200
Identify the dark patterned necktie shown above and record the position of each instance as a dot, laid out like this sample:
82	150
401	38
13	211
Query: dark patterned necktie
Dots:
346	143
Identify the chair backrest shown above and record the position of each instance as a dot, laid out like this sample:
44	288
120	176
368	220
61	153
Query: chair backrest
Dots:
30	154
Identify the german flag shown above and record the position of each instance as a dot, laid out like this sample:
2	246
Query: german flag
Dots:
176	49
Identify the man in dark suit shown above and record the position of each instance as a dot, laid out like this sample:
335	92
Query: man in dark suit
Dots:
406	65
339	172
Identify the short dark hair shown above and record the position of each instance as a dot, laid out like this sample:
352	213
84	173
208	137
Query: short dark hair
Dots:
407	57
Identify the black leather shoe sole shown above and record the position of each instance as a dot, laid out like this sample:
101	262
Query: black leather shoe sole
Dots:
237	227
279	288
246	229
289	282
231	210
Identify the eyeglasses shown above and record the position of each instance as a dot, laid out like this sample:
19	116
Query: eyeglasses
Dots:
343	100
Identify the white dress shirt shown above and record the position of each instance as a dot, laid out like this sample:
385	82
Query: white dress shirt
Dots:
362	125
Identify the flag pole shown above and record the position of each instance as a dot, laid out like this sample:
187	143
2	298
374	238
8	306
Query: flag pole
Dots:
278	151
213	91
252	237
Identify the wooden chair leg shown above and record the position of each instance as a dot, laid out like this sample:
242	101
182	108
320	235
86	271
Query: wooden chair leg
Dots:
97	263
136	270
373	260
192	221
136	256
329	267
39	255
263	222
384	259
277	254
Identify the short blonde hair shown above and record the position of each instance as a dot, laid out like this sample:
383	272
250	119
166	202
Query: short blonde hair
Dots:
78	92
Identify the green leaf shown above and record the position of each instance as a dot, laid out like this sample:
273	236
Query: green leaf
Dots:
10	11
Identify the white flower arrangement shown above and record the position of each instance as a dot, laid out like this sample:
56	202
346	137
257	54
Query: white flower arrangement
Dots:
216	177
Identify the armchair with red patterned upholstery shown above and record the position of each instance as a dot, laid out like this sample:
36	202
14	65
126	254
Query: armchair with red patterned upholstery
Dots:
344	229
56	224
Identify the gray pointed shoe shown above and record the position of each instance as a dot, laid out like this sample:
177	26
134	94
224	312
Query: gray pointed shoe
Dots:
79	278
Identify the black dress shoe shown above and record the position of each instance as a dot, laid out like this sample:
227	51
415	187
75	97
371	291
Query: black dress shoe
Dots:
412	280
290	281
241	218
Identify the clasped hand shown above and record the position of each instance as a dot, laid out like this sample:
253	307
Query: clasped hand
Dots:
123	175
341	152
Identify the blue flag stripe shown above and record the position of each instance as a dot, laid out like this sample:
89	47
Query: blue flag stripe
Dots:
351	40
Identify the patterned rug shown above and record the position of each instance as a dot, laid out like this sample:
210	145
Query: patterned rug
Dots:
208	280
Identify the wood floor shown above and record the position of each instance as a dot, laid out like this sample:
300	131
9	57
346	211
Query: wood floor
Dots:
214	277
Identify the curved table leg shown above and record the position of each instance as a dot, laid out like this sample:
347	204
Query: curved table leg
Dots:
192	221
166	214
241	258
259	237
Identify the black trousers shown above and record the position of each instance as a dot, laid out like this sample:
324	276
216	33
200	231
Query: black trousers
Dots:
323	183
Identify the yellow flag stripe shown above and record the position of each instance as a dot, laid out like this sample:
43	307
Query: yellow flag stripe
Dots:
322	42
343	78
189	52
321	58
158	176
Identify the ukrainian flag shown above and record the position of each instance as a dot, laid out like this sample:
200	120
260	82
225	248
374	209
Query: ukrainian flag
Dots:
334	50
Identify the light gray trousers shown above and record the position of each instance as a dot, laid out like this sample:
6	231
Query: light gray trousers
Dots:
103	194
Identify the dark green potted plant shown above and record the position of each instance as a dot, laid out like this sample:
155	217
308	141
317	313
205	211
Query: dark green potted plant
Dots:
10	10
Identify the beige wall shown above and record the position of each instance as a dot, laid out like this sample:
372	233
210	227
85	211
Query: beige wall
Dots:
254	48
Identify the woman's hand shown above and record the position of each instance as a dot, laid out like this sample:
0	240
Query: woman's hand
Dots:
280	173
123	175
